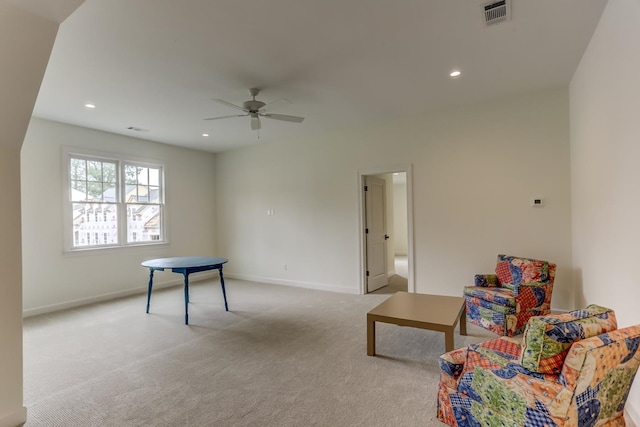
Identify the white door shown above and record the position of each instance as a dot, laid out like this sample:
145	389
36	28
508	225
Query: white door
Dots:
376	233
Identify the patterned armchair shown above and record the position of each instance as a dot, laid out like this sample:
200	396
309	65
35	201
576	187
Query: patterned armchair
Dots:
572	369
503	302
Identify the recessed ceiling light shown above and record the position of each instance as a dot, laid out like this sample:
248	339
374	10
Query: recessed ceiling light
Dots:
455	73
89	105
205	134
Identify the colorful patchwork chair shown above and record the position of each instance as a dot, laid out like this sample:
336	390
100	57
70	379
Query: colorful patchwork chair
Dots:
572	369
503	302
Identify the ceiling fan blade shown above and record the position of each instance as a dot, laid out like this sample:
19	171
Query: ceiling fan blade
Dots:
280	103
226	117
255	122
284	117
228	104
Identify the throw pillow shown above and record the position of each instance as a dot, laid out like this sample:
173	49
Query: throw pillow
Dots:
486	280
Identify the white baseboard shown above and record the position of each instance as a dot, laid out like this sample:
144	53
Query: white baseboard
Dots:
294	283
14	419
179	280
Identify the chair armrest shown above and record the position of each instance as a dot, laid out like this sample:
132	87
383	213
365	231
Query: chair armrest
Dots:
486	280
608	351
452	363
451	367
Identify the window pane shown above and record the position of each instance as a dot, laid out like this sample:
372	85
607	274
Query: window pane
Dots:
143	193
144	223
154	194
110	194
78	191
154	176
95	224
130	175
143	175
109	172
132	194
78	169
94	189
94	170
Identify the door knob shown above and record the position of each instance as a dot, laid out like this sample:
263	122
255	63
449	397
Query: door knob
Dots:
386	237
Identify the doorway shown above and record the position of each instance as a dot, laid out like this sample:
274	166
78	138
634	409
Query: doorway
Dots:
386	230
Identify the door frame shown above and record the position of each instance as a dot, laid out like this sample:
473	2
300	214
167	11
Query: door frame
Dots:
408	171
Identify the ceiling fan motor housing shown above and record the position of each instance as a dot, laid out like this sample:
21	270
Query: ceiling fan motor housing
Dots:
253	106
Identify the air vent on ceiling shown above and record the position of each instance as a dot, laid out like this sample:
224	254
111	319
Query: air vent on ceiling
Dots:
136	129
497	11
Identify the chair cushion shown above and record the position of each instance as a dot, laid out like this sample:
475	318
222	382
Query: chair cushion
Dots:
516	270
495	353
499	296
547	339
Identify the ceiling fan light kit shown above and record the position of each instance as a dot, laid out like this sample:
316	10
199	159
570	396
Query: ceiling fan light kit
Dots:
256	109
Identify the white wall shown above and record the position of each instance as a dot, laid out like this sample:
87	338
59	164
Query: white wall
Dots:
400	243
605	176
53	279
27	40
474	169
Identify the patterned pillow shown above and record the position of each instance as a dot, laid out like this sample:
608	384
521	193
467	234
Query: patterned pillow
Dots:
547	339
486	280
516	270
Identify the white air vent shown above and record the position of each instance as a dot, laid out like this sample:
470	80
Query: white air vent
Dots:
497	11
136	129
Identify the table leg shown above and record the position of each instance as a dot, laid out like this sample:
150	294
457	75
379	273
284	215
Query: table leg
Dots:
449	342
186	298
371	336
463	321
150	286
224	293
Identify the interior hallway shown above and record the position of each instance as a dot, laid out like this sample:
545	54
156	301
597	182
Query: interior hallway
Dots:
397	281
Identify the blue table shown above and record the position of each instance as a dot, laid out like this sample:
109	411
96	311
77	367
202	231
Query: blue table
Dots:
185	266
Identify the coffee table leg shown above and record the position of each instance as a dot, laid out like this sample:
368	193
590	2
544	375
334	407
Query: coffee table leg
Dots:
449	343
463	322
371	336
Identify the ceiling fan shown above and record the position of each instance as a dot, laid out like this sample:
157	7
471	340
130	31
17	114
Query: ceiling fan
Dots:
256	109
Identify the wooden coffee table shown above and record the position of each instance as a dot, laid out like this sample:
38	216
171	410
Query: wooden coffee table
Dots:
434	312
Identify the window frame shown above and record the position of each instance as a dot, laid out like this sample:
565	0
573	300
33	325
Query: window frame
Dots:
121	203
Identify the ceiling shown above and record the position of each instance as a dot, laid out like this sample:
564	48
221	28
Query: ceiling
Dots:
156	64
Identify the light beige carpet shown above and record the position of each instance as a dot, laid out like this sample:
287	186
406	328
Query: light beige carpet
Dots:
282	356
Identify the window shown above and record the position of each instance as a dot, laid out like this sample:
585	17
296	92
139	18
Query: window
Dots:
122	198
